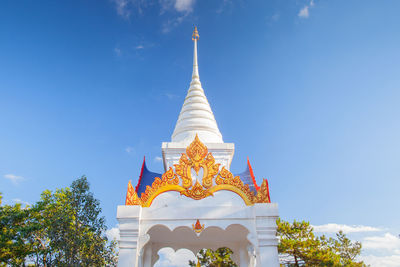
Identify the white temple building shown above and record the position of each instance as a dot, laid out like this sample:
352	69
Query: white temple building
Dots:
197	203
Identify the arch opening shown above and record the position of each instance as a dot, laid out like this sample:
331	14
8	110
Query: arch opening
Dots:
178	246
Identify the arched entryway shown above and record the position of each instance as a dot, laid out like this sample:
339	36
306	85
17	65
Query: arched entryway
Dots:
183	237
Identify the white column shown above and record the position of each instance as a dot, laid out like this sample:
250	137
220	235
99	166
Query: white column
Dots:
266	216
244	258
148	254
128	219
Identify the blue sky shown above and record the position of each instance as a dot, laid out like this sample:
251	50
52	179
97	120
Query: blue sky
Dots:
309	90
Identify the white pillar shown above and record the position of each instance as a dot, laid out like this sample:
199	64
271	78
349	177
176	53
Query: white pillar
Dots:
147	257
266	216
128	219
244	258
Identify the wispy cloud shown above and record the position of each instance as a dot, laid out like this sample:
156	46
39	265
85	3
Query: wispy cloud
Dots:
123	9
15	179
225	5
138	47
387	241
387	261
158	159
334	228
183	8
305	11
378	249
178	10
382	250
173	23
129	150
184	5
117	51
171	96
275	17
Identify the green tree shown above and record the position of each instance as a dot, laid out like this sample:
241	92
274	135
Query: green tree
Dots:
218	258
64	228
14	232
73	232
298	246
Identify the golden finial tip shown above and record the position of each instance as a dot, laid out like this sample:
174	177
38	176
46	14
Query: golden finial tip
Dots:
195	35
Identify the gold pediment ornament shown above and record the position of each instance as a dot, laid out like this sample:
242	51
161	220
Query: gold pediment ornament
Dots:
180	180
198	227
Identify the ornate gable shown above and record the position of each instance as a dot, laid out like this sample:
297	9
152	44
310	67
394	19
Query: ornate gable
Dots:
213	179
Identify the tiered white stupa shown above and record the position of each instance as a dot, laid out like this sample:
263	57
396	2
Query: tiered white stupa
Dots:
197	203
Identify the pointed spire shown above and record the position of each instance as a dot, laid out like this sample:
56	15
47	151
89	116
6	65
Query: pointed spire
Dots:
195	74
196	116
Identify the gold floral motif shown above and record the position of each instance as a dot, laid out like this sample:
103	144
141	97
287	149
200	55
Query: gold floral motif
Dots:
170	177
197	192
197	227
263	193
197	157
183	169
196	151
210	169
131	196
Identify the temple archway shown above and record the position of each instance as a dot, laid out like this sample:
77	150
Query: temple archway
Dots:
197	202
183	237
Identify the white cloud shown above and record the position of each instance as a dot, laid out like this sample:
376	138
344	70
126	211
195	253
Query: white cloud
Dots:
113	233
388	242
173	22
184	5
14	178
180	10
158	158
171	96
126	7
139	47
387	261
117	51
305	11
170	258
381	249
122	8
275	17
334	228
129	149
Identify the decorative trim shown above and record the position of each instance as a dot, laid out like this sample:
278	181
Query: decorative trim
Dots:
180	180
197	227
131	196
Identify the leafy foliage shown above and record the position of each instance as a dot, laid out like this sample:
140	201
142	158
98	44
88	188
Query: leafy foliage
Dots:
218	258
64	228
13	233
298	246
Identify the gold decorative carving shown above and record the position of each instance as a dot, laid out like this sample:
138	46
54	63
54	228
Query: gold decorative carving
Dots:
197	157
131	196
263	193
197	192
197	227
